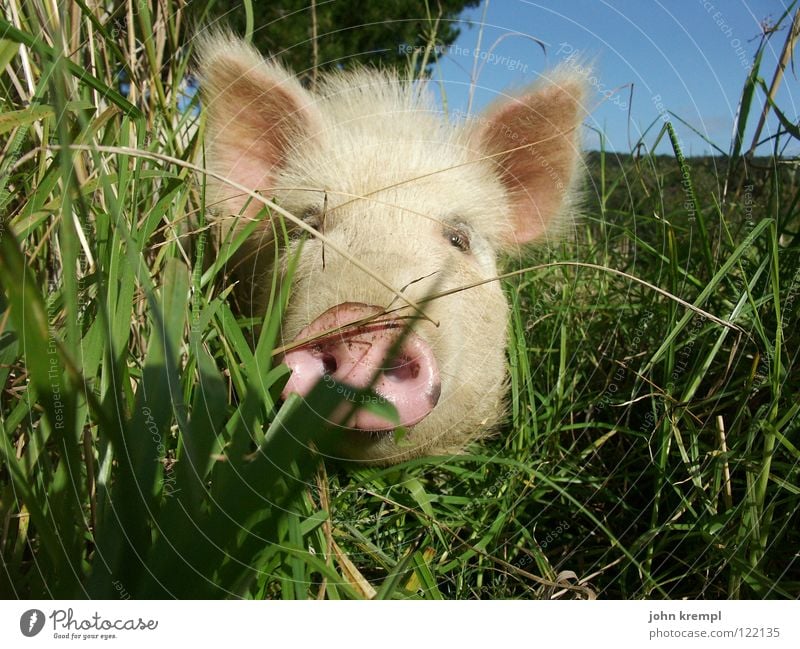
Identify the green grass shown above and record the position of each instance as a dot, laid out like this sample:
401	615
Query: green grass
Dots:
651	448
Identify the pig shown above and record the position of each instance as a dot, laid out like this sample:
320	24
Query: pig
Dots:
405	206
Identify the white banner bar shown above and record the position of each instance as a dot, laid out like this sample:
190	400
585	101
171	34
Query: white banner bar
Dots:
382	625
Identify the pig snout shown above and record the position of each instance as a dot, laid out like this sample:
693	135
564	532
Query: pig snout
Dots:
398	364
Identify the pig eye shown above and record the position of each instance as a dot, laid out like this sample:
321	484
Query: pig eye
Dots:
458	236
311	215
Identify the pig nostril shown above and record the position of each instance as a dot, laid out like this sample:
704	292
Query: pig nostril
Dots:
329	364
408	373
402	369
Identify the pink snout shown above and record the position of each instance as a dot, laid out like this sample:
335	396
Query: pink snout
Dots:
407	378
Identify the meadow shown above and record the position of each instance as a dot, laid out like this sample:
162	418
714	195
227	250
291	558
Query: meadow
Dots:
651	445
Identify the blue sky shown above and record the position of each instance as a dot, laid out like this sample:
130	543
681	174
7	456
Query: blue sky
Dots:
692	54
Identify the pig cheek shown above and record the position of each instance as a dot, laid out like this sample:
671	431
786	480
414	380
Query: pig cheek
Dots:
478	376
306	300
470	348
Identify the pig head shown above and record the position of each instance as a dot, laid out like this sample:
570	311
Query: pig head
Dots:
429	207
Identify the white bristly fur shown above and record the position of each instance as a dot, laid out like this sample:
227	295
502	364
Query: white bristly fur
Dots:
397	178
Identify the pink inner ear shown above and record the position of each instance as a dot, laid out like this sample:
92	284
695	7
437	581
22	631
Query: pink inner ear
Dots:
245	168
532	213
534	142
253	117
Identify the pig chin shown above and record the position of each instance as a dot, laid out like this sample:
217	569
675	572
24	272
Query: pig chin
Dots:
352	348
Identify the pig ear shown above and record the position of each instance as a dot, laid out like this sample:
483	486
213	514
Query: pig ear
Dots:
534	140
256	112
